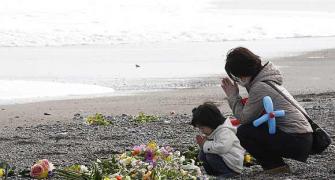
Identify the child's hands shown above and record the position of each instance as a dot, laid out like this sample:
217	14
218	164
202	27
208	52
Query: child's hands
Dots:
200	140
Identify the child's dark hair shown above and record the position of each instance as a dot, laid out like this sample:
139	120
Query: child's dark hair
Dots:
207	115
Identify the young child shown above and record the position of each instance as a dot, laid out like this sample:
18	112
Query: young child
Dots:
220	149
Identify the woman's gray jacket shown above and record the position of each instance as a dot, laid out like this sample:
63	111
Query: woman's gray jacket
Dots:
293	121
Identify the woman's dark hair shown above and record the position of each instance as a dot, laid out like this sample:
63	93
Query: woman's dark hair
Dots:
242	62
207	115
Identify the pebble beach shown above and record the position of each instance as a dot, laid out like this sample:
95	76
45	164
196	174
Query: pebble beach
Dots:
56	130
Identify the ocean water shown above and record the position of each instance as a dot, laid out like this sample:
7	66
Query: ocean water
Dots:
87	22
82	48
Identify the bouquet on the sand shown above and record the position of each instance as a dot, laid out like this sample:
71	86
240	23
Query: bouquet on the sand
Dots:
143	162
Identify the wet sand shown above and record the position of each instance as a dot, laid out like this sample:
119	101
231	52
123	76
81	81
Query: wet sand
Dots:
308	73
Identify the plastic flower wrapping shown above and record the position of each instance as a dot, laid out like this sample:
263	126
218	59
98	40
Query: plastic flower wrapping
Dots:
146	162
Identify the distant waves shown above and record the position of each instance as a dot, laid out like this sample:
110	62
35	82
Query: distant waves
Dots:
88	22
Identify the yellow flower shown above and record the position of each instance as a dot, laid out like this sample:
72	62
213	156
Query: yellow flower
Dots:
107	178
247	158
152	145
123	156
168	159
2	172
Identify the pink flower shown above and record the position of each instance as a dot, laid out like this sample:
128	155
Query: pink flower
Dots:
166	151
41	169
38	171
139	148
44	163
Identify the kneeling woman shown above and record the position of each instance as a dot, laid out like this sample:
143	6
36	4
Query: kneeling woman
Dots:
293	137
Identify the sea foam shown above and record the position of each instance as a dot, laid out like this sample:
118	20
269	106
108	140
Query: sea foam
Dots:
16	91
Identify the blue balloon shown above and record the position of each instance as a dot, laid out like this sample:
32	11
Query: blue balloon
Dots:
279	113
270	115
261	120
272	125
268	105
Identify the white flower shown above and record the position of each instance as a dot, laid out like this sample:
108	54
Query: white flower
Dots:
182	159
126	161
193	177
134	162
198	172
83	169
51	167
191	166
114	175
183	172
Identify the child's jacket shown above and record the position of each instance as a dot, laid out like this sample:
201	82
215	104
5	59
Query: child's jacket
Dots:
224	142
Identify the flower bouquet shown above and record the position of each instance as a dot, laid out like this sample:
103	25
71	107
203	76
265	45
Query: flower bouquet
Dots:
143	162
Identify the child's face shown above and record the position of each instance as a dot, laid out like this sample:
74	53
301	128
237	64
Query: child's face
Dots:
205	130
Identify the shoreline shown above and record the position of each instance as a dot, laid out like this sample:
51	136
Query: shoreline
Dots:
173	102
162	65
311	72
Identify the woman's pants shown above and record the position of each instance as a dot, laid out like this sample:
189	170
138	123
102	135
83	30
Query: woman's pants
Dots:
269	149
214	165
